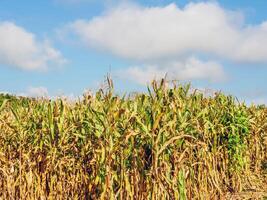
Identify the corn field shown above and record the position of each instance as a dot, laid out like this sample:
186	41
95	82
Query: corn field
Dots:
168	143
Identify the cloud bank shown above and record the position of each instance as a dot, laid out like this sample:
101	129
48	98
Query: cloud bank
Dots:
36	92
158	32
189	69
171	34
20	48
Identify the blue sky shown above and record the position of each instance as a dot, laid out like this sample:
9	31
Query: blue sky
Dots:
57	47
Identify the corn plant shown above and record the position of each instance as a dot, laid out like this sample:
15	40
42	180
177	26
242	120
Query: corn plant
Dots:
168	143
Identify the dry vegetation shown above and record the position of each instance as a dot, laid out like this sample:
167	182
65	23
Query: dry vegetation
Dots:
166	144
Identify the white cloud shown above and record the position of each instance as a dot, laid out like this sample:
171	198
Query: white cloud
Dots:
189	69
41	91
19	48
256	96
258	101
36	92
4	92
148	33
